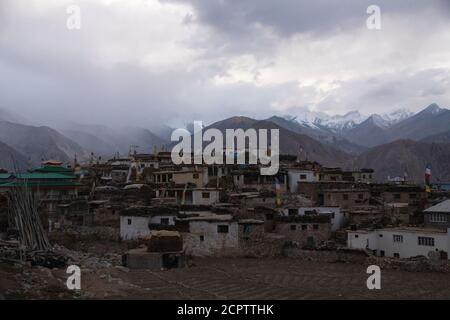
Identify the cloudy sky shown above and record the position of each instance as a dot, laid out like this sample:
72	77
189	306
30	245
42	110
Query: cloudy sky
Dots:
171	61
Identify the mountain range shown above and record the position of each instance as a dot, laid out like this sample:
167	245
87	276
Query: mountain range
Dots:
390	143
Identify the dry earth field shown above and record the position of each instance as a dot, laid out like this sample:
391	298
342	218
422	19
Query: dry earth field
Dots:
226	278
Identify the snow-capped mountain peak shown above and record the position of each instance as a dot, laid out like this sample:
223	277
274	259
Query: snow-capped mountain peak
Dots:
396	116
338	123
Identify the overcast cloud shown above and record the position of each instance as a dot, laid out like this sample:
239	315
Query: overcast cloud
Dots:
146	62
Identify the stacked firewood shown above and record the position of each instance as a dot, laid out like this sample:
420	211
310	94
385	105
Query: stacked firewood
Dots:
27	221
33	244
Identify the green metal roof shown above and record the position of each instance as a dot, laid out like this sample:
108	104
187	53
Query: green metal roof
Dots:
40	184
5	175
43	176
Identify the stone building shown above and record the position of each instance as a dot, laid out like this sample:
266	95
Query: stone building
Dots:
308	230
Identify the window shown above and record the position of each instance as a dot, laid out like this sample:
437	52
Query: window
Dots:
303	177
222	229
292	212
381	236
397	238
426	241
205	195
356	236
195	175
293	227
396	255
345	196
202	238
438	217
304	227
164	221
315	227
381	253
129	221
413	195
397	196
360	196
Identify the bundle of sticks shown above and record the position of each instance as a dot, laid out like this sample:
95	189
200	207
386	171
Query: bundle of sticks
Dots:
24	207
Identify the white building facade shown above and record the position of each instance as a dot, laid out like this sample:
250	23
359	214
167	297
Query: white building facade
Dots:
338	219
135	227
297	175
401	242
210	236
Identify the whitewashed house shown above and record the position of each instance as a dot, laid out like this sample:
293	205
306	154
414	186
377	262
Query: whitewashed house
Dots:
207	233
338	220
401	242
296	175
138	222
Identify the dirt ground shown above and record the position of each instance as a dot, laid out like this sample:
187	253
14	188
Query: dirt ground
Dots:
225	278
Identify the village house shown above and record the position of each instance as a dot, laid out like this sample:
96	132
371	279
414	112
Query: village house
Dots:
50	188
107	193
338	220
315	190
207	233
296	175
138	194
401	242
190	195
264	213
365	215
145	160
330	174
105	213
364	175
164	158
250	229
137	222
438	216
249	178
307	230
399	212
197	177
345	198
120	168
413	195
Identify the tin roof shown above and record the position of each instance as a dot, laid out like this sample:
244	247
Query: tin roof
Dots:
440	207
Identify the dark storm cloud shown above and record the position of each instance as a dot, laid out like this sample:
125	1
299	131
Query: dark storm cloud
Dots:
208	59
288	17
